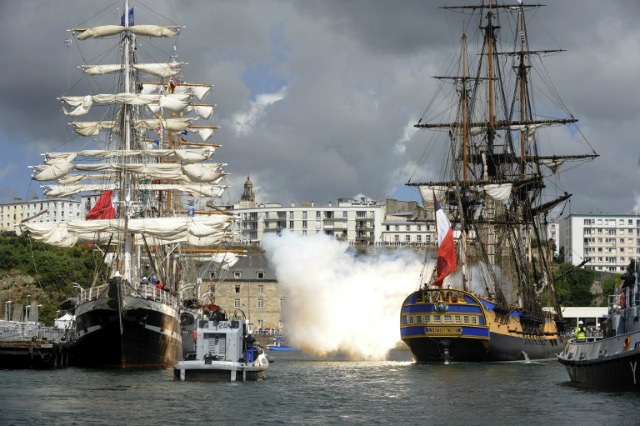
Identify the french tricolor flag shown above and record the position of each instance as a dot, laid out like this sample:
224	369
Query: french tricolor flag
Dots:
446	246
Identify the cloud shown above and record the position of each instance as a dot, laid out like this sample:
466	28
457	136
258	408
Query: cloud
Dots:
244	122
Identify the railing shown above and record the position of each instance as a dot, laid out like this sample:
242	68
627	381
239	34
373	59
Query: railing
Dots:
627	297
11	330
137	290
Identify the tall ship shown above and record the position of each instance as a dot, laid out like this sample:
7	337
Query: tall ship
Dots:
147	162
490	296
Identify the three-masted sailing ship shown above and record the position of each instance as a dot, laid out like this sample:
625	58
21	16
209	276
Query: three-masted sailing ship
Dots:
147	162
492	296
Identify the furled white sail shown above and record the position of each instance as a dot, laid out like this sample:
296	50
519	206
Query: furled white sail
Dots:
207	172
196	230
92	128
170	69
194	190
111	30
171	102
427	191
163	70
498	191
101	69
186	155
200	91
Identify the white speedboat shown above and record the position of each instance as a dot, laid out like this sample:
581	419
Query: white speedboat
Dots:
225	351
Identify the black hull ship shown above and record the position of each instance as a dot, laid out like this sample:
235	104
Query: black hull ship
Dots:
609	361
490	295
150	183
147	335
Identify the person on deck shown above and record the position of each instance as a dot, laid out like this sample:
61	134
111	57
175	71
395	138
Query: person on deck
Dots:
629	281
580	332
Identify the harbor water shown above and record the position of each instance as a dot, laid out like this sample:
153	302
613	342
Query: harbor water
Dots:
303	390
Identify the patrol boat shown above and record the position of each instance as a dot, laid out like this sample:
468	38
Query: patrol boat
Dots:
609	361
492	198
225	351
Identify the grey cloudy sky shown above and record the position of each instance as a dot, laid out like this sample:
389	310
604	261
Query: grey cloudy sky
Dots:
316	98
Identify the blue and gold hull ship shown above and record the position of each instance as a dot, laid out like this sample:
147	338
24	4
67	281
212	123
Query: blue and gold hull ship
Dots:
493	296
454	325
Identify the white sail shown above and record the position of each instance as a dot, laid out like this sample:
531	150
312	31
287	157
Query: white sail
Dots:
187	155
196	230
170	69
112	30
194	190
171	102
92	128
207	172
200	91
101	69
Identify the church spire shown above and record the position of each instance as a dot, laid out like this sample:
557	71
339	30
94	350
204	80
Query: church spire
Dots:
247	195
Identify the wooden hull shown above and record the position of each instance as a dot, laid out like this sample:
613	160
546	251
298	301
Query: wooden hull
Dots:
454	325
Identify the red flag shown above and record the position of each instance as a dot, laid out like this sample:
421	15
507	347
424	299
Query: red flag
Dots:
446	246
103	209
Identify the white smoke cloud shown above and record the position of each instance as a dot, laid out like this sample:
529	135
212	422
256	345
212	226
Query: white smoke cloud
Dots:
338	301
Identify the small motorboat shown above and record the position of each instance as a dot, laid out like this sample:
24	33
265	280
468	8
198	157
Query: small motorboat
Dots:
225	351
280	344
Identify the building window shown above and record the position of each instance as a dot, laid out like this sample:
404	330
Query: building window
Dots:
407	238
260	289
237	275
237	288
236	303
212	275
260	303
290	224
318	215
260	275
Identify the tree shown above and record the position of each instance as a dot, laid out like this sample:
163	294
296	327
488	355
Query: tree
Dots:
48	272
573	285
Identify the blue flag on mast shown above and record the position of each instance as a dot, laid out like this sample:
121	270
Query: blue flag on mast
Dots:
130	18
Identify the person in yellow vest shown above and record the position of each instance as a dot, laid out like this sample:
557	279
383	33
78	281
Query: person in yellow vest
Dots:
580	332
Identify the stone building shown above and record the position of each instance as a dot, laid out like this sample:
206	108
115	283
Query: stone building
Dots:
249	286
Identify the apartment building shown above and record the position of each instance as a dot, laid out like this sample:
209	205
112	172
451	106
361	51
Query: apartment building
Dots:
608	242
38	211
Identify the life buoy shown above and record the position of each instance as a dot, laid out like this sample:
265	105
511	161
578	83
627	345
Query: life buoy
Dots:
195	335
627	343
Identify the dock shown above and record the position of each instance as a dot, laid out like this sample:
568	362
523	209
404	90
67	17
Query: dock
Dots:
25	345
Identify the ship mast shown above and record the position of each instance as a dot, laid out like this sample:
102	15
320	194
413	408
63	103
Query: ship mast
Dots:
125	191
